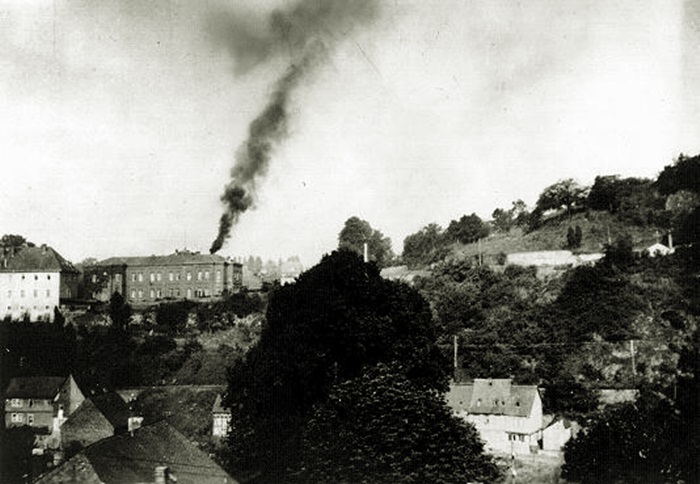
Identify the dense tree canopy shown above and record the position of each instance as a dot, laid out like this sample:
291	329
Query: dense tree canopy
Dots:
380	428
356	232
469	228
566	194
425	247
336	322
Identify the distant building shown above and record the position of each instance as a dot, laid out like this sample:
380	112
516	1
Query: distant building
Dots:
181	275
33	280
508	417
557	433
155	453
659	249
221	419
290	270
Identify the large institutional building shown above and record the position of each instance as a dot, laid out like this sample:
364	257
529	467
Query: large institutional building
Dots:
182	275
33	280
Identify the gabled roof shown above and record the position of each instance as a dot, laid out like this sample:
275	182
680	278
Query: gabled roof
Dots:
38	259
492	397
218	407
127	459
109	405
177	258
39	387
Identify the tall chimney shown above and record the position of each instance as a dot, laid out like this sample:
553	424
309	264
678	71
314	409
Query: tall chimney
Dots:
670	240
366	253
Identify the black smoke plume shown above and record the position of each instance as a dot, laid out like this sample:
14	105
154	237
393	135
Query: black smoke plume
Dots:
308	31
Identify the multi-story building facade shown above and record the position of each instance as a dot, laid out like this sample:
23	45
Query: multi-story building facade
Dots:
508	417
182	275
33	280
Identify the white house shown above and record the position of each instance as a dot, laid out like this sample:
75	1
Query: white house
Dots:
508	417
32	282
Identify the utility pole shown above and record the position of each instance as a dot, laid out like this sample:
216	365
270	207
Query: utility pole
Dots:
455	361
634	366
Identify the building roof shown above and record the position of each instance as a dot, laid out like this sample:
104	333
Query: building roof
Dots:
182	257
33	259
130	459
38	387
109	405
492	397
218	406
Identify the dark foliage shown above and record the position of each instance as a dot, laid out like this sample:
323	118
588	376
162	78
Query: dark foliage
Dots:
684	174
425	247
646	441
338	320
469	228
356	232
16	455
381	428
119	311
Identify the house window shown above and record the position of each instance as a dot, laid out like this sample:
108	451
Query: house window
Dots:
170	277
189	293
36	293
21	293
199	275
158	294
133	277
189	276
48	276
140	294
16	402
117	278
218	276
158	277
48	293
206	275
177	276
30	419
17	418
152	277
140	277
153	294
133	294
94	278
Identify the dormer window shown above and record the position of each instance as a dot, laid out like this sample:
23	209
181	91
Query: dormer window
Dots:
517	403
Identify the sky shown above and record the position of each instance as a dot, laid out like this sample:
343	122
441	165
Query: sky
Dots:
121	120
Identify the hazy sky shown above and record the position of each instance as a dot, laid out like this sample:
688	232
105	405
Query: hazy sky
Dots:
120	120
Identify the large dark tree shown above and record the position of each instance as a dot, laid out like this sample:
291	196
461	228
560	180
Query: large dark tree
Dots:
356	232
119	311
469	228
646	441
425	247
565	194
339	319
381	428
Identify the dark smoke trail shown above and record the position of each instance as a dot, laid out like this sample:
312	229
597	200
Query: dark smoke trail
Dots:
308	28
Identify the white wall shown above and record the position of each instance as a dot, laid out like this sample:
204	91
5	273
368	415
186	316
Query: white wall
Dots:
33	293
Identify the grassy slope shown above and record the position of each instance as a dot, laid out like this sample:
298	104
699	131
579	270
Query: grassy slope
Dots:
595	227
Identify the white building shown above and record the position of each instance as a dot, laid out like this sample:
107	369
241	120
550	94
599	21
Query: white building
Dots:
508	417
32	282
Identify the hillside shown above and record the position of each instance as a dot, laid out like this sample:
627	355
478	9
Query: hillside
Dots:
598	229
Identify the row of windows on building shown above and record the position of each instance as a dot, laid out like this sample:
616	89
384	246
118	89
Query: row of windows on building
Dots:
19	402
173	293
23	293
19	418
25	277
158	277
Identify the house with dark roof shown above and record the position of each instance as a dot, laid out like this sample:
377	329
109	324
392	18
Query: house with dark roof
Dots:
41	402
33	281
508	416
99	417
154	453
181	275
